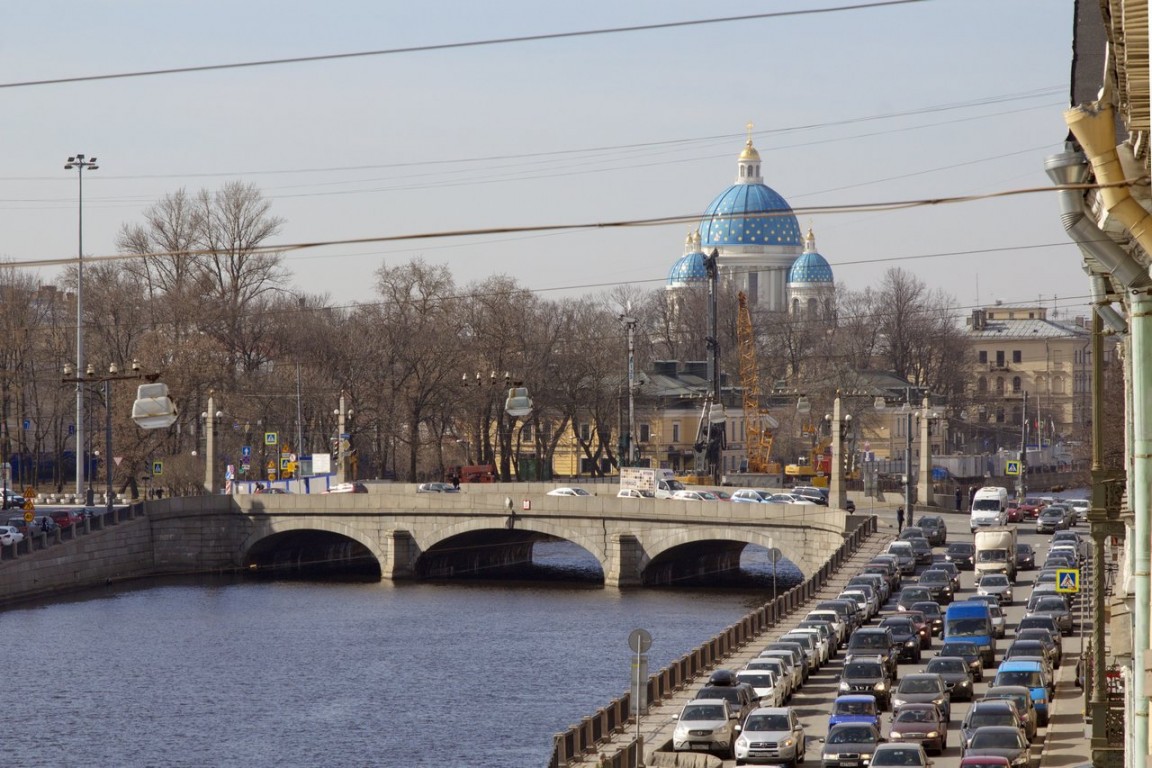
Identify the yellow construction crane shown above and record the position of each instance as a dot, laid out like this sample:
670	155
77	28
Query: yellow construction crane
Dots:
759	435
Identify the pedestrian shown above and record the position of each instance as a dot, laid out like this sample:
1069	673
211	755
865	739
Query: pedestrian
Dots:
971	496
959	498
899	520
456	480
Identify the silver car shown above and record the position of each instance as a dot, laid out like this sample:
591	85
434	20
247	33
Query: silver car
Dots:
1057	608
996	584
705	725
771	735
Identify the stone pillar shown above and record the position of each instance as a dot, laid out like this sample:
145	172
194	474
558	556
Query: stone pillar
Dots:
399	555
924	483
625	561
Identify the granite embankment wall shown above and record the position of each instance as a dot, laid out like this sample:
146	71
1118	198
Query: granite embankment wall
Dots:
129	543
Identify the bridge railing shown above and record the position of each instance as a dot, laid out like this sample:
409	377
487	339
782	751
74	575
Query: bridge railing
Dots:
584	737
94	519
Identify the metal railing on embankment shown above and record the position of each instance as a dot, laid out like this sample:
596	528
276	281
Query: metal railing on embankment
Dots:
94	519
584	737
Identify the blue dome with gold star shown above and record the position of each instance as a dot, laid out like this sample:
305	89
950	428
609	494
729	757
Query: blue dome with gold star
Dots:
811	267
749	213
690	267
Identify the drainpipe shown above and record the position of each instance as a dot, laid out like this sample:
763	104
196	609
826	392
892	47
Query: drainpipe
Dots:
1101	288
1094	128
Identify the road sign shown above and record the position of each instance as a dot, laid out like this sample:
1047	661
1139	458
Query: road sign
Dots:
246	451
29	507
775	555
1067	580
640	640
157	468
1012	467
271	438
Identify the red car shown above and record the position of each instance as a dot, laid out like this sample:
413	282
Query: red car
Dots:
1015	514
1031	507
65	518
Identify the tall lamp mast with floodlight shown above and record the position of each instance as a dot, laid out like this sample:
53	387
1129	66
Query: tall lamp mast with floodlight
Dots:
79	163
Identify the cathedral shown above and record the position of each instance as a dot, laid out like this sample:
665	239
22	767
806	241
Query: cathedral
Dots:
757	237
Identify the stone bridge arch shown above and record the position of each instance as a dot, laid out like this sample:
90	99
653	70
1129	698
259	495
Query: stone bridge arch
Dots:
270	541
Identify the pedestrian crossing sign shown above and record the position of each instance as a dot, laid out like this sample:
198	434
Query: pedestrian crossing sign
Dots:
1012	467
1067	580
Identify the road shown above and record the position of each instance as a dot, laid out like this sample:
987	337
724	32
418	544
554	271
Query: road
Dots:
813	702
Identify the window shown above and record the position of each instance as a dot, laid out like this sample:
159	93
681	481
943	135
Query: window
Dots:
645	433
1015	383
1057	385
999	385
999	358
999	415
526	433
1017	356
1057	357
982	385
676	432
982	355
585	432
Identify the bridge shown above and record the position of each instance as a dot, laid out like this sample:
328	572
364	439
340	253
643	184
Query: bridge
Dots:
410	535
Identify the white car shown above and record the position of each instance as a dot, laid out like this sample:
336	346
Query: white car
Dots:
771	735
750	496
1080	507
765	683
568	491
705	724
12	534
633	493
693	496
789	498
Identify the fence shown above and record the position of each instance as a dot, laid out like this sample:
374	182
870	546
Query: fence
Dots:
584	737
94	519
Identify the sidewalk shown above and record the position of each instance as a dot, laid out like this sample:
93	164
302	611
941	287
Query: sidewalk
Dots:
657	726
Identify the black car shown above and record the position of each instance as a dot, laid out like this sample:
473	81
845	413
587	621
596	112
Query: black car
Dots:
938	583
922	549
874	643
1025	557
867	676
934	613
967	650
956	673
911	595
904	637
1052	647
962	553
935	529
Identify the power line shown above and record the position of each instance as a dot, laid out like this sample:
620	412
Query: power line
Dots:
451	46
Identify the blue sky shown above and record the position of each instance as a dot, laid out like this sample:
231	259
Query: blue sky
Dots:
923	100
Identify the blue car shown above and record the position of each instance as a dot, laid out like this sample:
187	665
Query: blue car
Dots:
855	708
1029	674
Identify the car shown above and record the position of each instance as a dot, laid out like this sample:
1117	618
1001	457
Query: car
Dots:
705	725
823	647
921	624
65	517
722	495
1013	513
874	580
1080	507
886	567
7	537
826	631
264	490
771	735
1046	623
951	569
741	698
849	745
919	724
635	493
1056	607
13	532
905	555
766	685
906	755
724	677
984	761
962	554
938	583
1029	674
811	646
967	650
935	529
1045	590
956	673
348	488
1022	699
996	584
1053	518
905	637
874	643
818	495
832	618
909	596
999	620
1031	648
855	708
1061	558
846	609
1031	506
922	550
12	499
924	688
779	668
790	498
437	488
933	614
684	495
573	491
1044	637
988	712
800	654
1025	557
1069	540
750	496
912	532
41	524
1000	741
795	665
871	596
1076	550
869	676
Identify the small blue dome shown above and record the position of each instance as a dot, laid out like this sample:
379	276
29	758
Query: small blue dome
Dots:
734	218
689	268
811	267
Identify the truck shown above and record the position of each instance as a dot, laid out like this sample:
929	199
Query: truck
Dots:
661	482
996	551
972	621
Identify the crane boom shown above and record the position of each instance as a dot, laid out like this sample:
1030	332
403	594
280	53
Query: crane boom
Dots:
759	435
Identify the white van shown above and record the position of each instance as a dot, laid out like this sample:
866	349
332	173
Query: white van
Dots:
667	484
989	507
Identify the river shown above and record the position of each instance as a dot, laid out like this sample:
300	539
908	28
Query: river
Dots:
262	674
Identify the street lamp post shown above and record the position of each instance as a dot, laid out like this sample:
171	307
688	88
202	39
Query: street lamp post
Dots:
211	417
630	457
79	163
342	415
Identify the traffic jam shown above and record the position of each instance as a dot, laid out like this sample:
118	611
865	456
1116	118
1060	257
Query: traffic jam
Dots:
943	650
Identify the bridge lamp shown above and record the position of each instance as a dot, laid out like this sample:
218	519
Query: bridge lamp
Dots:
518	403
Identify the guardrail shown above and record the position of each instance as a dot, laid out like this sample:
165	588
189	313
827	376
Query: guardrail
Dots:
95	519
584	737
